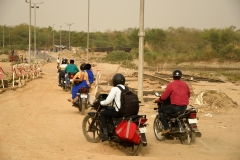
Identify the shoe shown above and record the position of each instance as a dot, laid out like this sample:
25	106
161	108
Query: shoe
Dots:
59	84
165	132
69	100
104	136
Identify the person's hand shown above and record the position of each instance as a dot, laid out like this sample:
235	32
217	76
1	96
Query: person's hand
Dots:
102	103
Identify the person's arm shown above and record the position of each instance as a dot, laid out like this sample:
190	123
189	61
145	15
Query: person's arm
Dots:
110	97
166	93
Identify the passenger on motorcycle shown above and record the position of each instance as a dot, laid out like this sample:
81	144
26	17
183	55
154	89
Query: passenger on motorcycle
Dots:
61	70
71	68
179	93
83	78
111	111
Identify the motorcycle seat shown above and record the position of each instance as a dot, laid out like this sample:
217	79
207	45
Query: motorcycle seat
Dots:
175	115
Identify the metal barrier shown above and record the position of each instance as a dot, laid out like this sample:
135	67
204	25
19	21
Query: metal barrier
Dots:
23	72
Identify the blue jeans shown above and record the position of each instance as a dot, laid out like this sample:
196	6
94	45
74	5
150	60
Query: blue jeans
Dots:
168	109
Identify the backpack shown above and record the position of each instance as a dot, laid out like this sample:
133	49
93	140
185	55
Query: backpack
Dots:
129	102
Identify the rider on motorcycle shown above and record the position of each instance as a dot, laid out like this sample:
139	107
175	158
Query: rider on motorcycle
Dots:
61	70
179	94
83	78
71	68
115	93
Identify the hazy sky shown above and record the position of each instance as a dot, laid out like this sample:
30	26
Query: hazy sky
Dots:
122	14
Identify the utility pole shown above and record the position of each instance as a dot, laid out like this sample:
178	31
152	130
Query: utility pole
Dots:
69	25
3	38
29	45
141	35
60	48
53	37
88	29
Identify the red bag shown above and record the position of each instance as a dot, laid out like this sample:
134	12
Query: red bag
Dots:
127	130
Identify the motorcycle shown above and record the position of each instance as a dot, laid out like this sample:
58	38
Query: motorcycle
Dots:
91	127
182	125
83	102
68	86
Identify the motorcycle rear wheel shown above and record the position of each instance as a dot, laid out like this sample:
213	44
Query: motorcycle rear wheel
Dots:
65	87
157	129
132	150
82	107
91	134
189	136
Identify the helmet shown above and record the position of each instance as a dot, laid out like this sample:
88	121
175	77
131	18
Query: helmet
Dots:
118	79
82	66
64	61
71	61
177	74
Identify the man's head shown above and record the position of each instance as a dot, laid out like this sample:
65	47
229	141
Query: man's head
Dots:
64	61
177	74
71	61
118	79
88	66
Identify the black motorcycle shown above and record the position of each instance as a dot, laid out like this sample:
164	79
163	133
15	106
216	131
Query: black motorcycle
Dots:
91	127
182	125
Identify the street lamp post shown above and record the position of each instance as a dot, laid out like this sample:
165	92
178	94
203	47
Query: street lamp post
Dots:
69	24
29	45
53	37
35	48
60	47
3	38
88	30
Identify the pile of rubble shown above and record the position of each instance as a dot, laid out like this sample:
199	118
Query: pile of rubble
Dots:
213	100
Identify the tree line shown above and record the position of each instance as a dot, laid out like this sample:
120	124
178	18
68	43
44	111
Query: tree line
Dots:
160	44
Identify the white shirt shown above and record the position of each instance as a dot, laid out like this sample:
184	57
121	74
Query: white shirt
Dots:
63	66
114	94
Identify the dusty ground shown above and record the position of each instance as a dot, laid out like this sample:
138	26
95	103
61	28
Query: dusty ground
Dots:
37	122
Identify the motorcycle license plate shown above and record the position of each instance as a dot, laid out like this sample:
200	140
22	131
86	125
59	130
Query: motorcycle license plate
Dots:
143	130
83	95
191	121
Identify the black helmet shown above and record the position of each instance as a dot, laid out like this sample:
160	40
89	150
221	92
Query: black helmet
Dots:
64	61
82	66
71	61
177	74
118	79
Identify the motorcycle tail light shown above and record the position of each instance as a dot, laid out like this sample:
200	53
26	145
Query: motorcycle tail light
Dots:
83	90
192	115
71	76
143	120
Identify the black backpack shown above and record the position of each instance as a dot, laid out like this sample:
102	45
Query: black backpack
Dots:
129	103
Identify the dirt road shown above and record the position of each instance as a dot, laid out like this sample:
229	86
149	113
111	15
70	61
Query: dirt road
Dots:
38	123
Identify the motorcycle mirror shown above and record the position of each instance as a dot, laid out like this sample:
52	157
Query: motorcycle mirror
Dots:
157	94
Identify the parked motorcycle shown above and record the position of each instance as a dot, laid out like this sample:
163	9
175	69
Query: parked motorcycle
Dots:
182	125
83	103
91	127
